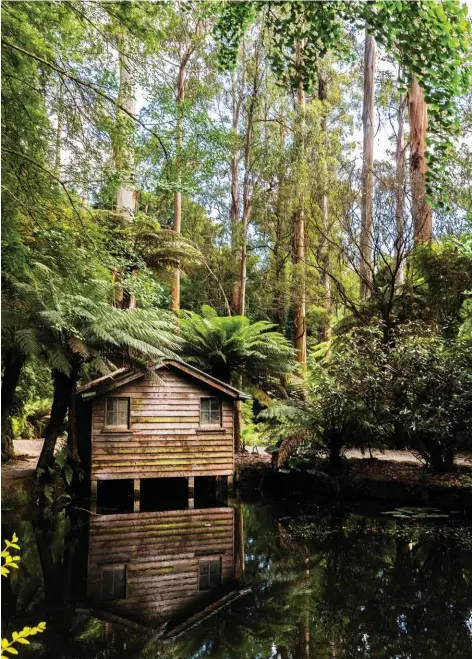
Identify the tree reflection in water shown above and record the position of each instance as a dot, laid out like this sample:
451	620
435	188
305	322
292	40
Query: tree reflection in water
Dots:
323	584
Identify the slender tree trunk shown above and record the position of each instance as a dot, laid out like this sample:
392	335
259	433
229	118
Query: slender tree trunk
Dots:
243	268
58	146
73	443
126	195
280	251
422	211
400	247
235	210
324	248
184	60
11	376
367	201
64	385
247	195
178	193
299	288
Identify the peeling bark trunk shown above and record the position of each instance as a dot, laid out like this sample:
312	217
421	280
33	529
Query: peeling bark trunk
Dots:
400	196
299	288
422	211
367	201
11	376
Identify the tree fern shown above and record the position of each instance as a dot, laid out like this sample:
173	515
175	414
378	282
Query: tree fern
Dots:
230	347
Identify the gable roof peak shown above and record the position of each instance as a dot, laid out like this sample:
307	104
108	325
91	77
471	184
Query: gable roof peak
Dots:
126	374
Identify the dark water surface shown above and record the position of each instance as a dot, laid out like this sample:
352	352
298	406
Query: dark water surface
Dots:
252	581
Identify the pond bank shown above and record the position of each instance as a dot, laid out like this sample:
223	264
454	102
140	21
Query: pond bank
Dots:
363	480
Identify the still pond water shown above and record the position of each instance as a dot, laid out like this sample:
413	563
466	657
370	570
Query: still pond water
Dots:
249	581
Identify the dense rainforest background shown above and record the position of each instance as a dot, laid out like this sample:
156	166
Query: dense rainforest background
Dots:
279	192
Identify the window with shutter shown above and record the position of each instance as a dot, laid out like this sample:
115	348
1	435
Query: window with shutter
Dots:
117	412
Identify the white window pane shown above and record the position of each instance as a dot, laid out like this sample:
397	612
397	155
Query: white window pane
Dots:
117	412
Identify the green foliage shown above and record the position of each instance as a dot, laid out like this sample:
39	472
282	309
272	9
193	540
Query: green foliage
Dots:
231	347
328	418
21	637
417	385
10	561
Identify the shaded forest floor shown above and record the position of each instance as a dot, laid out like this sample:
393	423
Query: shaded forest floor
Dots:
390	475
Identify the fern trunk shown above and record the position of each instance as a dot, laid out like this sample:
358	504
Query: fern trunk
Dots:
64	386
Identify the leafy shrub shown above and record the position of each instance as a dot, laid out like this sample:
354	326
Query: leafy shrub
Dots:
325	422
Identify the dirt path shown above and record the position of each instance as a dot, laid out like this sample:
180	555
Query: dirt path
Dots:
249	458
17	470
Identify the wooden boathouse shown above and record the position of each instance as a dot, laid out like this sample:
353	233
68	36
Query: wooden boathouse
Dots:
176	422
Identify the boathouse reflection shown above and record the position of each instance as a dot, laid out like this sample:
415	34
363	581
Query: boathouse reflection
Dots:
166	570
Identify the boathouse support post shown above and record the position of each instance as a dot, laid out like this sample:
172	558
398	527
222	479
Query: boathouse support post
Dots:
136	495
191	492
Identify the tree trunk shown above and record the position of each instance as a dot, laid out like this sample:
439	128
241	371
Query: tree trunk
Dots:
235	223
367	201
184	60
72	424
247	191
58	146
280	250
400	247
299	288
11	376
422	211
126	195
63	388
324	249
335	446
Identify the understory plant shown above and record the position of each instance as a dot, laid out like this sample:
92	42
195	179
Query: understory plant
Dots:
326	420
413	392
10	561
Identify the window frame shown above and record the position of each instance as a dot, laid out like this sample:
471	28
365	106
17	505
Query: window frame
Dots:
113	567
209	424
207	561
115	426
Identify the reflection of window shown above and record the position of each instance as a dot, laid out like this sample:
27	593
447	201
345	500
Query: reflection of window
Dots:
209	574
210	411
117	412
113	582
